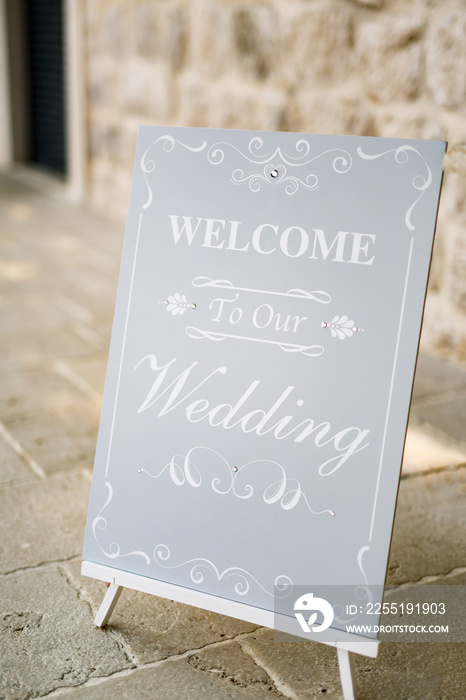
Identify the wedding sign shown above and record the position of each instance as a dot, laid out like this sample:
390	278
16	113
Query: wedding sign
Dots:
260	372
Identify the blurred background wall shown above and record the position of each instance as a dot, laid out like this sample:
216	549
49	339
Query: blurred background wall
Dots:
77	78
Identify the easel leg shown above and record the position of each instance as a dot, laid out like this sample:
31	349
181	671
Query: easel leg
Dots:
347	674
108	604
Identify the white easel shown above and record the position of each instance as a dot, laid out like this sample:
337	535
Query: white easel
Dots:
346	644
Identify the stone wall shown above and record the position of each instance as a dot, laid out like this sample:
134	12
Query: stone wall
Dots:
365	67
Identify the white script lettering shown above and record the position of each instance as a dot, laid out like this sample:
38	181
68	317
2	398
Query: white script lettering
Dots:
171	393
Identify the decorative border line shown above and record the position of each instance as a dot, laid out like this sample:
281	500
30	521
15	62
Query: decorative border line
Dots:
100	523
392	382
366	548
419	182
120	369
363	593
148	166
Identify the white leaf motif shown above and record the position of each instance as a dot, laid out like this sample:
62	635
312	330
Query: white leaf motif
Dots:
341	327
177	304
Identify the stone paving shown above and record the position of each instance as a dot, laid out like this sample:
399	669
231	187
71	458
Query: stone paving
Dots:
58	274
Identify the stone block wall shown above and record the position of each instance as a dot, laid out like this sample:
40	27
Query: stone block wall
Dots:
365	67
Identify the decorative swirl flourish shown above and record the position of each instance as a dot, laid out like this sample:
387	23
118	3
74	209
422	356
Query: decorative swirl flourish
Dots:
275	173
148	165
272	174
363	594
419	182
341	163
100	523
285	491
199	566
183	470
309	350
361	553
315	295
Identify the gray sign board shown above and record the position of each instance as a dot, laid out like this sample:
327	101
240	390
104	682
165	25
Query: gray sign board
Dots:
261	365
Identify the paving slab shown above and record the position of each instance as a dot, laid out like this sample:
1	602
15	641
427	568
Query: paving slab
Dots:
431	670
439	398
453	682
43	521
435	377
31	269
89	369
304	669
402	671
154	628
30	310
425	450
174	680
12	468
39	389
405	671
59	441
30	346
429	536
46	637
95	292
231	662
448	416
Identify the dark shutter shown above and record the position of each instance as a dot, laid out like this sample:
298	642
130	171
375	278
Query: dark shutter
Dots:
46	81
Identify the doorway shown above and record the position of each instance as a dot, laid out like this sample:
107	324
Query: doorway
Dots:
45	69
37	83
